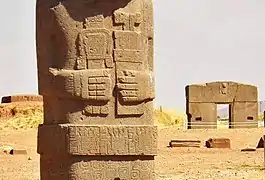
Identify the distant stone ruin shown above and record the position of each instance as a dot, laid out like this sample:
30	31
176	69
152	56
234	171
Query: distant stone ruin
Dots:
95	69
218	143
202	100
21	98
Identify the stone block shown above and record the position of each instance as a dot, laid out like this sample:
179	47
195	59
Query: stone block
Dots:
18	152
13	151
218	143
184	143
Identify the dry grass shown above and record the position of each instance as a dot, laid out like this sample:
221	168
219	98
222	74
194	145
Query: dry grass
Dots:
170	117
26	115
246	167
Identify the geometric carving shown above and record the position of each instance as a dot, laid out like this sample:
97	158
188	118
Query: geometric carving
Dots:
114	140
121	17
86	84
94	46
94	22
96	110
131	88
127	55
100	170
127	40
132	85
128	21
98	140
92	85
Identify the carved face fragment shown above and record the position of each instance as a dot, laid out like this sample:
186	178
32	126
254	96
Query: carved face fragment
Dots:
223	88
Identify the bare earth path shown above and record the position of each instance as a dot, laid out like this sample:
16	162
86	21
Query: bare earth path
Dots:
171	164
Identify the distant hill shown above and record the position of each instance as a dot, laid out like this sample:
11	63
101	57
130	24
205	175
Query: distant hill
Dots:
223	113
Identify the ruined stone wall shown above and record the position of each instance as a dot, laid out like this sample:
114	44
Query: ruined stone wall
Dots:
21	98
202	100
95	69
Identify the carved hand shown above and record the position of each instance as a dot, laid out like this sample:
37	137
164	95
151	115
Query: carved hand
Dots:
84	84
135	86
98	88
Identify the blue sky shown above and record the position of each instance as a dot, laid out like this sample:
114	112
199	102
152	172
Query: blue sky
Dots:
196	41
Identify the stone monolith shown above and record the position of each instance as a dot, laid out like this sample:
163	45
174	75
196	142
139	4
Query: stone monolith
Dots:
95	73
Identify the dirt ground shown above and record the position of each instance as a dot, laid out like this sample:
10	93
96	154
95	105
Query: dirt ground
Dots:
171	163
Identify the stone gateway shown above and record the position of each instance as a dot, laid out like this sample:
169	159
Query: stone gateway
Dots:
202	100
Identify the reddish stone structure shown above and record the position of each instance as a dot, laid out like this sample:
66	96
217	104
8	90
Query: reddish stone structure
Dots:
218	143
21	98
184	143
202	100
95	69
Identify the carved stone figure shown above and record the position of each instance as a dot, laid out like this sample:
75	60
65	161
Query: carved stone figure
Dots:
95	69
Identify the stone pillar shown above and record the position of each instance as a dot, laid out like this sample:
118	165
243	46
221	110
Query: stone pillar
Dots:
95	72
202	116
245	115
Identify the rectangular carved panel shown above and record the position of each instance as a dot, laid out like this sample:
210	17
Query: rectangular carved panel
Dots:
94	48
129	21
121	55
127	40
93	84
99	140
109	170
103	168
133	91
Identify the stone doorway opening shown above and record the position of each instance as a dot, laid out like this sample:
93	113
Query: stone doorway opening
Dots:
223	116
